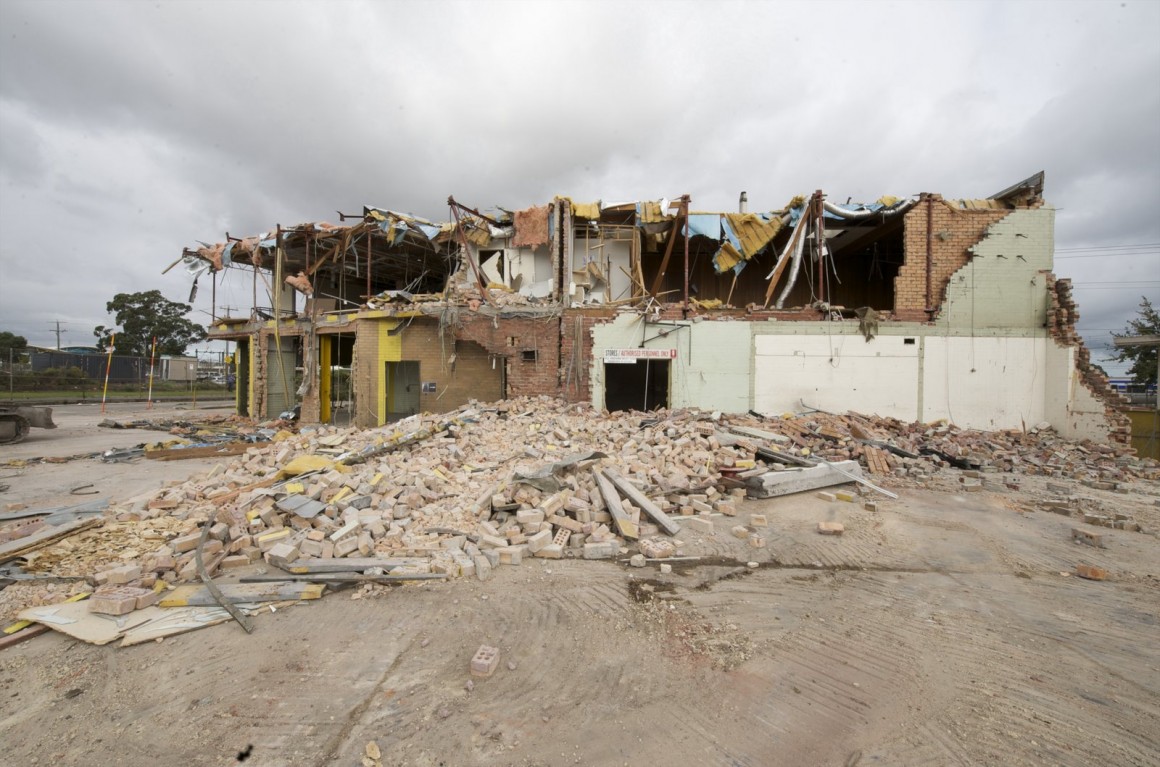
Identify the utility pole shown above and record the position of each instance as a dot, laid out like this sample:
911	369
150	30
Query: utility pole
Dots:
58	332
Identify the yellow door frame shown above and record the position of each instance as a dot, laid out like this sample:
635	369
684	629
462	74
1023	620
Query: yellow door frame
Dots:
324	382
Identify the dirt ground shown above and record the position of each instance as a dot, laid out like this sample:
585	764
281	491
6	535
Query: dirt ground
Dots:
940	629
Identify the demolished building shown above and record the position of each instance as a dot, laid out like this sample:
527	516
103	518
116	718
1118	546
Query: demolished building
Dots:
921	309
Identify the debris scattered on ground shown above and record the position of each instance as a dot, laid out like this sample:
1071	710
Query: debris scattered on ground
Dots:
460	494
485	661
1091	573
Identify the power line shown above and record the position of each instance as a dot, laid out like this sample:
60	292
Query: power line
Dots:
1113	287
1109	247
1117	282
1125	254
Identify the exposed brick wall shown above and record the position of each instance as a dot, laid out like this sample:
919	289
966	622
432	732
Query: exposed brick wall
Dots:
576	350
1062	316
515	338
258	372
955	231
365	373
470	376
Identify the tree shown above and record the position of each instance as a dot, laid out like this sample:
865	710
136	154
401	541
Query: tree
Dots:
143	316
1143	358
11	342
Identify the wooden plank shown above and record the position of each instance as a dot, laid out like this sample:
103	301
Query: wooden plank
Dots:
640	499
209	451
681	217
74	619
348	565
624	524
23	635
344	578
45	537
192	595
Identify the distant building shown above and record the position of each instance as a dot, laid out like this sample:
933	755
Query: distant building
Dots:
120	369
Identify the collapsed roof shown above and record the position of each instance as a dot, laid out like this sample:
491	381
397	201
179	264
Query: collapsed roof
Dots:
563	251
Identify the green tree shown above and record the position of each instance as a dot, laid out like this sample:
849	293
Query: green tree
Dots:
1143	358
11	341
143	316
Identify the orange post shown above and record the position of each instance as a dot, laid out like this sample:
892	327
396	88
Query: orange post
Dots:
152	357
108	367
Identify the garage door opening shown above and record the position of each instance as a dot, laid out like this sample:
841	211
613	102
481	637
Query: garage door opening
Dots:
639	385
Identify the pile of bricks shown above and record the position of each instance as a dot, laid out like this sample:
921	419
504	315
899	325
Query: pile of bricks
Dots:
887	446
470	490
460	494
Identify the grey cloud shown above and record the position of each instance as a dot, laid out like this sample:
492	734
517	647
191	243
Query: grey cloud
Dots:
134	129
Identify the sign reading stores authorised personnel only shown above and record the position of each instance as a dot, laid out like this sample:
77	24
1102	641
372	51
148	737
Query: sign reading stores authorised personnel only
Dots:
621	356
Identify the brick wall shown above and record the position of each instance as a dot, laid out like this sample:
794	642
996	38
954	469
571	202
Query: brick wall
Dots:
576	351
528	346
470	376
1062	316
365	371
1002	286
955	231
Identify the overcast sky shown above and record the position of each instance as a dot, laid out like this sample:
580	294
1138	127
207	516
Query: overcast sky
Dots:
131	129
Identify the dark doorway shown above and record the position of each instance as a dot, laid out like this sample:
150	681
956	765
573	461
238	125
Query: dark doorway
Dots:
242	381
640	385
402	389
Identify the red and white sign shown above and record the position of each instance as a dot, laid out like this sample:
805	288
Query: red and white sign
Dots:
620	356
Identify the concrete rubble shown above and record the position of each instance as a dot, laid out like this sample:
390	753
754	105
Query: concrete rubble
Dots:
460	494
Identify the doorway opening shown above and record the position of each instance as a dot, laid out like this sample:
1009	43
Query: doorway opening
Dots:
283	375
639	385
335	386
242	381
402	389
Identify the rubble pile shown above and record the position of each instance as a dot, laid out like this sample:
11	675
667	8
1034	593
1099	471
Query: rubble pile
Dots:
458	494
455	494
889	446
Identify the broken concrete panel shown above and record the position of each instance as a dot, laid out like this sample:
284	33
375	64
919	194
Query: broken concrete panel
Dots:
777	483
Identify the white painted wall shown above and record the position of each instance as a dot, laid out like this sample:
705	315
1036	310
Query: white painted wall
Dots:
986	363
984	382
1072	409
529	265
711	369
836	373
613	257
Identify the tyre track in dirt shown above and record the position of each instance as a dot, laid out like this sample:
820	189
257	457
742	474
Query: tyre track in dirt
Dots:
932	633
1019	694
